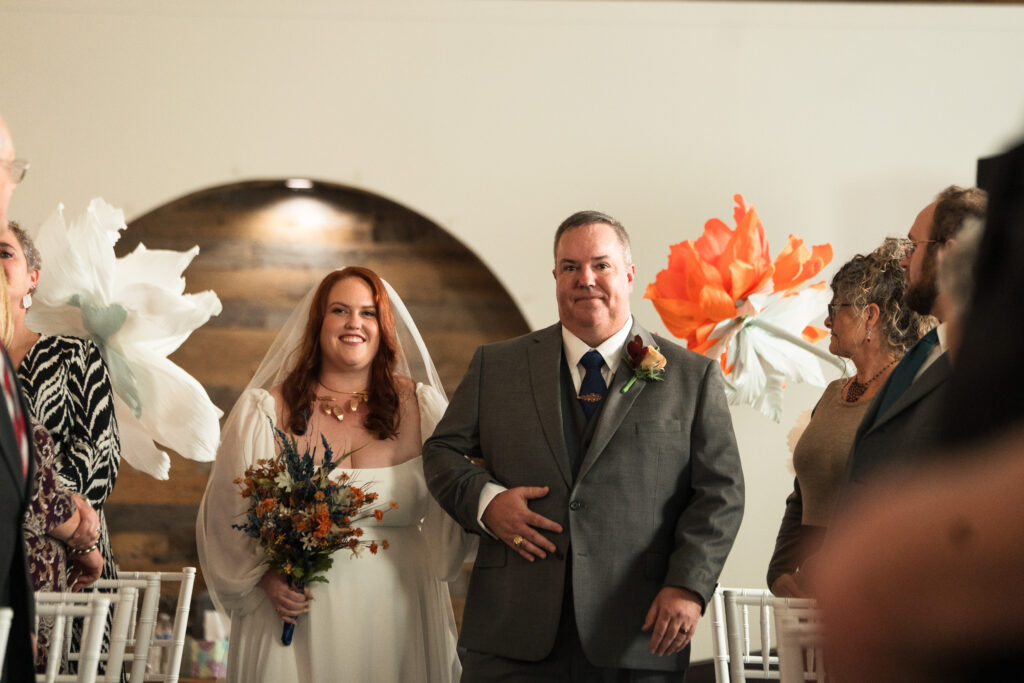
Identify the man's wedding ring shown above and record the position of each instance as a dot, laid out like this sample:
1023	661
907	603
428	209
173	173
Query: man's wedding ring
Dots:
518	540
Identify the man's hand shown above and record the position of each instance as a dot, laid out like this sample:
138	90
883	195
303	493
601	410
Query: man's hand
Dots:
788	586
87	568
672	620
509	517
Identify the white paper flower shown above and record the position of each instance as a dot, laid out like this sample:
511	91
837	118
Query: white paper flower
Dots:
136	312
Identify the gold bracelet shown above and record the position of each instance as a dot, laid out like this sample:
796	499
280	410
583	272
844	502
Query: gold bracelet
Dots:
82	551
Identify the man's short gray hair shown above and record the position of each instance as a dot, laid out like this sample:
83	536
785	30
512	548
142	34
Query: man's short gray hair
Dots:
583	218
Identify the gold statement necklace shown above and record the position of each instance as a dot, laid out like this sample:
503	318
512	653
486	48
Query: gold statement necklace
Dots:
329	405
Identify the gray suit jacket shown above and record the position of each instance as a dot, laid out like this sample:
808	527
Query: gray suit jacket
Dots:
657	501
902	436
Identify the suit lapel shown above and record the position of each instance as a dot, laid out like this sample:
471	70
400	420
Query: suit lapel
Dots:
616	405
545	360
933	376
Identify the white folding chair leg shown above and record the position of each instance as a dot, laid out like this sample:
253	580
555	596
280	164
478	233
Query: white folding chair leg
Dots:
188	577
719	643
123	611
92	642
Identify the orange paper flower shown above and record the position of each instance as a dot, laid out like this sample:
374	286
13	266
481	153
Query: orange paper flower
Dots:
725	296
709	280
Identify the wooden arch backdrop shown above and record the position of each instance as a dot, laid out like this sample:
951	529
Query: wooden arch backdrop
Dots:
262	246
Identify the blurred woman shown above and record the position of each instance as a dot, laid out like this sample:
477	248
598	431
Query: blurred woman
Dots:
349	368
872	327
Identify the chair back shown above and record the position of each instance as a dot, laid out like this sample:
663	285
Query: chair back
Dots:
6	615
141	620
800	646
92	610
741	651
171	649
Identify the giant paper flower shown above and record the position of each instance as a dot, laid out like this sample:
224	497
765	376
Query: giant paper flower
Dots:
136	312
725	296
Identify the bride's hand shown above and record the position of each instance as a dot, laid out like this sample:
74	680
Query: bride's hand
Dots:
287	602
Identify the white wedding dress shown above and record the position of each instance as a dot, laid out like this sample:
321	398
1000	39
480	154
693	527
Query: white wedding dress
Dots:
382	618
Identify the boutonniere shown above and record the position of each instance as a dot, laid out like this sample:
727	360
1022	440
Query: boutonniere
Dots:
647	362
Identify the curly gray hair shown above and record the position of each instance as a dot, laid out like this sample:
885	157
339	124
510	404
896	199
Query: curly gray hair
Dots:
877	278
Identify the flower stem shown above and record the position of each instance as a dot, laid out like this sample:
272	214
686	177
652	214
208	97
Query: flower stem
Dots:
798	341
628	385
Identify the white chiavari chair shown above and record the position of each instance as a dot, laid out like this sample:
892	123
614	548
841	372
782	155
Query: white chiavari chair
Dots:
92	610
748	652
801	657
175	645
141	622
6	615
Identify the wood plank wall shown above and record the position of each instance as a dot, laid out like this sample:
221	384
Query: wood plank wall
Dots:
262	246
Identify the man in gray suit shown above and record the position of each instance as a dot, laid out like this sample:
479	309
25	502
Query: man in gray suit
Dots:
605	513
905	416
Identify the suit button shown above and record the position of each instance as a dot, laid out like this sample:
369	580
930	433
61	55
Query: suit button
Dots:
575	505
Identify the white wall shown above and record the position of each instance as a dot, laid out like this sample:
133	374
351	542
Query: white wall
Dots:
498	119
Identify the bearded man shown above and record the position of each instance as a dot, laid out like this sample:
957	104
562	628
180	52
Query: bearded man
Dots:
904	418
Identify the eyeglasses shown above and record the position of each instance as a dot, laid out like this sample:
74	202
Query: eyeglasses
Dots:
18	169
832	309
910	245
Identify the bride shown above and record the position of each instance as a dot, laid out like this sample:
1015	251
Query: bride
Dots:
351	367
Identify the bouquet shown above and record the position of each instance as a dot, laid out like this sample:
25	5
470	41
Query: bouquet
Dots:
300	515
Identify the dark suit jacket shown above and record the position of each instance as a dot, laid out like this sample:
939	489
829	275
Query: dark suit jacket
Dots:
902	436
657	501
15	584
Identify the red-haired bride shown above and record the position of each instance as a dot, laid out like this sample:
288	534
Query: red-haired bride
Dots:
349	366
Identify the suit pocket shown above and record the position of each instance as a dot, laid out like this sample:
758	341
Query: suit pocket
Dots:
656	427
491	555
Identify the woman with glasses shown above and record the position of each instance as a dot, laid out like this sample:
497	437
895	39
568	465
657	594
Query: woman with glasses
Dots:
873	327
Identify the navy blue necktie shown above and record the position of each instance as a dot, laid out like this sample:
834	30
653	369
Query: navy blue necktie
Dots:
592	388
904	374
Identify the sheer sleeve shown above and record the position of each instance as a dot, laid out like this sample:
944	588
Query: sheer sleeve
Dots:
95	446
232	562
448	544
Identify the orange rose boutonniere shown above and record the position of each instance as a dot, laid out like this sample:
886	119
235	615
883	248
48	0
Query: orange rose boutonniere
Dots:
647	362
